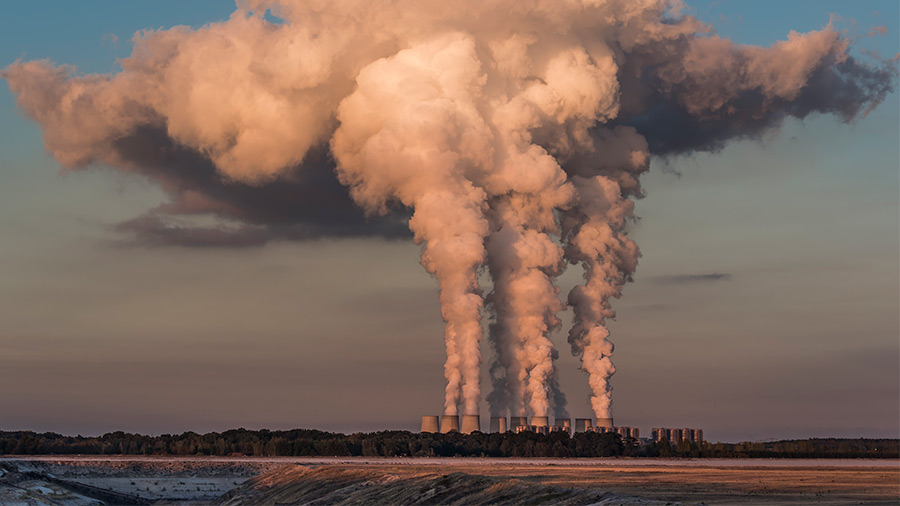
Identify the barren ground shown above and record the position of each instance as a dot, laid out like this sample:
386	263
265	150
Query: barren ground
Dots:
244	481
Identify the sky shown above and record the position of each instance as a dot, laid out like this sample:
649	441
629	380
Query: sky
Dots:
765	304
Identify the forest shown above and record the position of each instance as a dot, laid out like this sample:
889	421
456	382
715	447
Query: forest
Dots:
307	442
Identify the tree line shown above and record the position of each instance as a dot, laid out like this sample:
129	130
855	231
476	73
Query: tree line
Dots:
315	443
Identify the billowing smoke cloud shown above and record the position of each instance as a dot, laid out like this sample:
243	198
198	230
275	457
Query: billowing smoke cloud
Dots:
523	261
411	132
505	135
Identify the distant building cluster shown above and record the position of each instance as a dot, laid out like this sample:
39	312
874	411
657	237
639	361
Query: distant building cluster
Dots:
676	435
537	429
625	432
541	425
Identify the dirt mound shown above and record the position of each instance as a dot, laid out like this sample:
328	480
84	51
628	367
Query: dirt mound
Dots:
301	485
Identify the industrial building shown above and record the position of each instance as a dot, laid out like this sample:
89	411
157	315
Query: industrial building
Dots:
541	425
583	424
451	423
470	424
676	435
430	424
625	432
538	429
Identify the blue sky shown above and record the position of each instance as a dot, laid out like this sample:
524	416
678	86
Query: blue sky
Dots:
799	338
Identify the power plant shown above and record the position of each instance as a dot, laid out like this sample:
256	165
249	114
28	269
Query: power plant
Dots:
675	435
430	424
625	432
449	423
541	425
470	424
517	421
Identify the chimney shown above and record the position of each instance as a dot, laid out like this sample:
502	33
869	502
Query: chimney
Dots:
429	424
450	423
470	424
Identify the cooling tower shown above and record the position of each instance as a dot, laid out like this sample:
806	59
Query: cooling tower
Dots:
583	424
429	424
470	424
517	421
565	422
540	421
605	422
450	423
498	424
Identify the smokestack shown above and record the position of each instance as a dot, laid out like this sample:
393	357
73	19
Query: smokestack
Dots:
450	423
583	424
470	424
498	424
429	423
517	421
605	422
540	421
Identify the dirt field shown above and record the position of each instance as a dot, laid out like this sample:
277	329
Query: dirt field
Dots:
711	485
224	481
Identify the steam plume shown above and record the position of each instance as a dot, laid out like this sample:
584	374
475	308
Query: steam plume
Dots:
410	132
505	134
596	238
523	263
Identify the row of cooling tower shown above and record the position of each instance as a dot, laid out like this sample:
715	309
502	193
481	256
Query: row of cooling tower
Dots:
675	435
472	423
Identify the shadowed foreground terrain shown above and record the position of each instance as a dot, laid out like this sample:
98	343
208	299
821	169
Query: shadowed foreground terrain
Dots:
336	485
562	484
211	481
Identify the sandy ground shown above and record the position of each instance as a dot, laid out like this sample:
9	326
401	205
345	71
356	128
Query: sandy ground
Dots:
721	482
